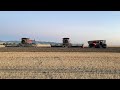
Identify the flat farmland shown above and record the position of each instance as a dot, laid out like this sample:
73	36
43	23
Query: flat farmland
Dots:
58	49
59	65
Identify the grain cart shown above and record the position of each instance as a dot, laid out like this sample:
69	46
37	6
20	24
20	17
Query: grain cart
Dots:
97	44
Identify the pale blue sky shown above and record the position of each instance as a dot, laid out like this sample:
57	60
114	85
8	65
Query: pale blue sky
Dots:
79	26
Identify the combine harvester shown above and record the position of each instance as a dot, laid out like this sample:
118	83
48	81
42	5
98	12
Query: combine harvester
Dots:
97	44
66	44
26	42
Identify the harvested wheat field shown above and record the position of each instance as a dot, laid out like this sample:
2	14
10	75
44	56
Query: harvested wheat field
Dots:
59	65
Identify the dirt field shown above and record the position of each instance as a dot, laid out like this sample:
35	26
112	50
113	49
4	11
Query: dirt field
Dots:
59	65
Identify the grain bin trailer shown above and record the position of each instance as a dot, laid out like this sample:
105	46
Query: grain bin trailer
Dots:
97	44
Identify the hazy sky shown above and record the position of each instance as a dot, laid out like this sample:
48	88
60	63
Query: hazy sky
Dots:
79	26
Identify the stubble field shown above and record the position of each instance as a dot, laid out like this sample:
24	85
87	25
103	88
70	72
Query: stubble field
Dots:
59	65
